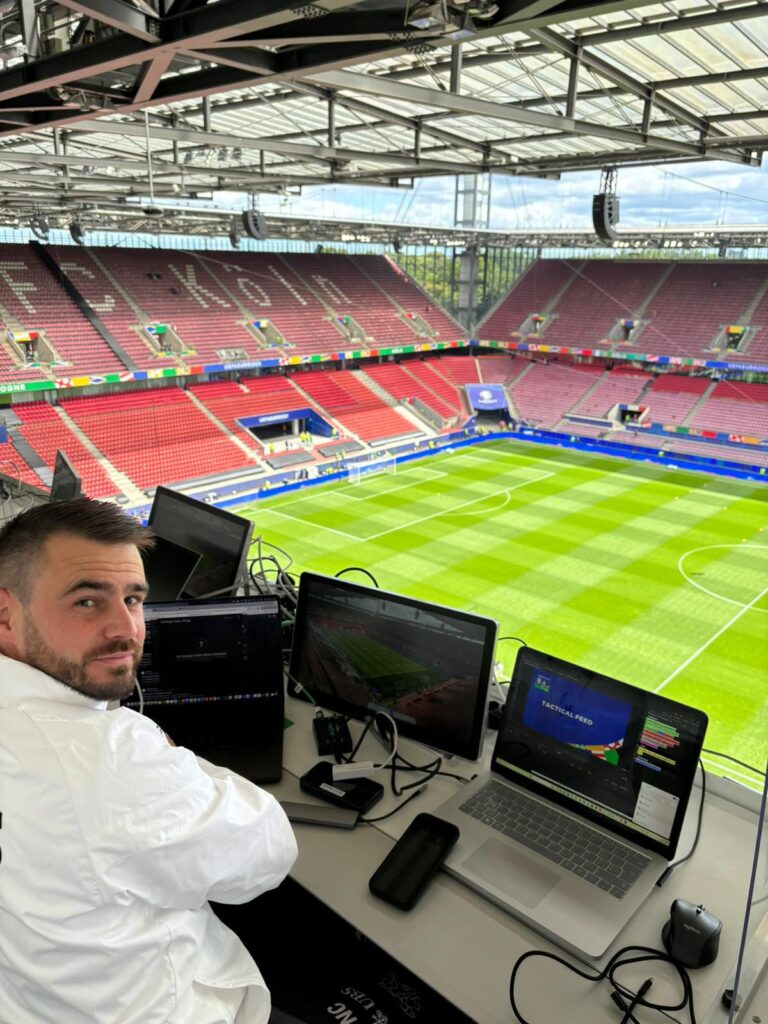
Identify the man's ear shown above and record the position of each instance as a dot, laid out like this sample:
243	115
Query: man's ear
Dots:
10	623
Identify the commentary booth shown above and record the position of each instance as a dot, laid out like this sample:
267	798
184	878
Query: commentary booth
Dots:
392	718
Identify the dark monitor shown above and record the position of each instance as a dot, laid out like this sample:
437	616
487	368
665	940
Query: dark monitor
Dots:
212	678
220	538
168	568
66	483
357	650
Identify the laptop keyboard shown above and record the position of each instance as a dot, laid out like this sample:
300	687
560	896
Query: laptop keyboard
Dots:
585	852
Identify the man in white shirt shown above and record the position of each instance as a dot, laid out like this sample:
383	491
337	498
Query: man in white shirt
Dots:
112	840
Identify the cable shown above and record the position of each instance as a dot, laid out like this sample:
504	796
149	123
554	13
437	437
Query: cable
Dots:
382	817
676	864
517	638
727	757
141	697
357	568
620	992
298	688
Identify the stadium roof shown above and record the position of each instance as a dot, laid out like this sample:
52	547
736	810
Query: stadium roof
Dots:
108	107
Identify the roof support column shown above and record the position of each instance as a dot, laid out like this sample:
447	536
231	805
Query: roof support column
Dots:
456	63
29	28
573	84
331	120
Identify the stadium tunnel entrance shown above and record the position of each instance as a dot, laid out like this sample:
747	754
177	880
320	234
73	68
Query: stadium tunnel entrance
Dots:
281	426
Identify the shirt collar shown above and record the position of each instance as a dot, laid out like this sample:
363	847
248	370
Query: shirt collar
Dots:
21	682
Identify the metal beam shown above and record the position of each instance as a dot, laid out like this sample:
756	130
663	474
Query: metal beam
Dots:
600	66
122	16
356	82
303	151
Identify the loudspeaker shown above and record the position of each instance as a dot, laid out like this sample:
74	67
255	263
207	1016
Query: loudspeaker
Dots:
77	233
605	216
254	224
234	233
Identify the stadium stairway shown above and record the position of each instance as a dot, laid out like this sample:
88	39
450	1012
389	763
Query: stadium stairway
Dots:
250	452
122	482
690	417
377	389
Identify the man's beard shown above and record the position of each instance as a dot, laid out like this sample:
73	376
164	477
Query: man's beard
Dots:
121	678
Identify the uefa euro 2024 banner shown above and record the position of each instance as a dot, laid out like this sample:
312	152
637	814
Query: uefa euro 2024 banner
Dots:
486	397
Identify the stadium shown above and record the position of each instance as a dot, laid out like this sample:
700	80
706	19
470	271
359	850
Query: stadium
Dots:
418	304
564	430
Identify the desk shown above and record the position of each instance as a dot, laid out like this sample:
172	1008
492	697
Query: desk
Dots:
465	948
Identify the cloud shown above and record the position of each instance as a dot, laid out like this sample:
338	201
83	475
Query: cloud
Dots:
702	194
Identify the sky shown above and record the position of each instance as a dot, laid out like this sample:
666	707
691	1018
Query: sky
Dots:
705	193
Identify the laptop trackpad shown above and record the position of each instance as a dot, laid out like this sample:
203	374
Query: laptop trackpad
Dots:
511	872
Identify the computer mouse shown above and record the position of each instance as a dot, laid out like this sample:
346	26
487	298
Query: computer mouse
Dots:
691	936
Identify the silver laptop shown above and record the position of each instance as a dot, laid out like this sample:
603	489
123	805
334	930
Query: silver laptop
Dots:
583	806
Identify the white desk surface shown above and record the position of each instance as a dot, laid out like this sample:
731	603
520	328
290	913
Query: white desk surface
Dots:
464	947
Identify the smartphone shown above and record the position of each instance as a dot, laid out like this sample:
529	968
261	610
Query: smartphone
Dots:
402	876
320	814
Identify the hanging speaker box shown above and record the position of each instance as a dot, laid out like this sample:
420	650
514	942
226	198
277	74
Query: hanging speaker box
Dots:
605	216
254	224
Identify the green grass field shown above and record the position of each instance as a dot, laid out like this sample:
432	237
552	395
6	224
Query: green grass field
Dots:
655	576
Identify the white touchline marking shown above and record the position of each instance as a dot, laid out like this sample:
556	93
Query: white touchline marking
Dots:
711	640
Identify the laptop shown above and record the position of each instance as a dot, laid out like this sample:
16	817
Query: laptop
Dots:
212	678
583	805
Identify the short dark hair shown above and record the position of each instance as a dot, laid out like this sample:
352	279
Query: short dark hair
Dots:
23	538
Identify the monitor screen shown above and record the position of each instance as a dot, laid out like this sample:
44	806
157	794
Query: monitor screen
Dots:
357	650
168	568
212	676
66	484
220	538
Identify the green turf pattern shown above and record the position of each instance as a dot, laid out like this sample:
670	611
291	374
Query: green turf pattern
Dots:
655	576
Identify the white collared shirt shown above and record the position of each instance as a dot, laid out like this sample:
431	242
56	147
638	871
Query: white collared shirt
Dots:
111	844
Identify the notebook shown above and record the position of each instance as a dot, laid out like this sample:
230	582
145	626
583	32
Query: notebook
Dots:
212	678
584	802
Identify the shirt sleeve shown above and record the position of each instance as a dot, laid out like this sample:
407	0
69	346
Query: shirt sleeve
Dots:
175	831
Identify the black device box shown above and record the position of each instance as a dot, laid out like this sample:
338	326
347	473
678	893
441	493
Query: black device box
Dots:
358	794
332	735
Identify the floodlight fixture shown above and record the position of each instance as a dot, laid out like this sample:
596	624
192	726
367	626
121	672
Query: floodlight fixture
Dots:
430	15
77	232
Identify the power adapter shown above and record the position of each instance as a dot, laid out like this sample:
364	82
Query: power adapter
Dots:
332	734
355	770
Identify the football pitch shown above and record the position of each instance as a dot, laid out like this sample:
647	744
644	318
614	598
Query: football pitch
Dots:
655	576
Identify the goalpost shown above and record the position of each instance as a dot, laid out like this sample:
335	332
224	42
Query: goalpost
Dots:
358	470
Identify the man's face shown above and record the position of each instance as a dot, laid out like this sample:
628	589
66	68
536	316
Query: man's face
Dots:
84	622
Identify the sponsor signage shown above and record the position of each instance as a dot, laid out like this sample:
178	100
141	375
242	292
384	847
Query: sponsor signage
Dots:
486	397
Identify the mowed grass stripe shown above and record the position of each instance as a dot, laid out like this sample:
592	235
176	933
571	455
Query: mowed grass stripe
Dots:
583	563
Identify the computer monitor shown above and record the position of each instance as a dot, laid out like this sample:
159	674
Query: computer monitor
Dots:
212	678
220	538
357	650
168	568
66	483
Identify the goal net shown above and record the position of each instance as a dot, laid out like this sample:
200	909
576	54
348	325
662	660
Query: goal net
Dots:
363	469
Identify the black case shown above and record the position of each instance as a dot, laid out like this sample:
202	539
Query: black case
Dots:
357	794
403	874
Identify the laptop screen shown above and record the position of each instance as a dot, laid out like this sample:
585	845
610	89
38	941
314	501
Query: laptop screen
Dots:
621	756
224	651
